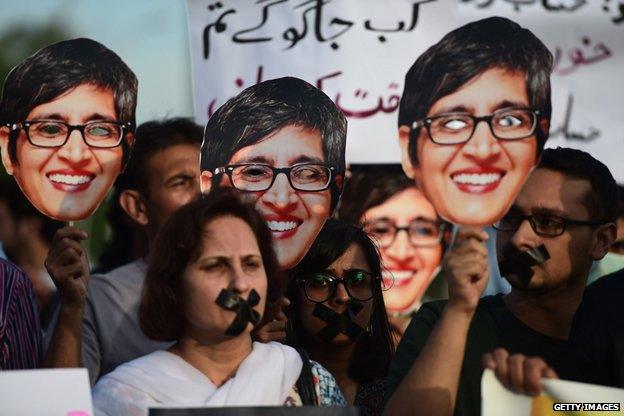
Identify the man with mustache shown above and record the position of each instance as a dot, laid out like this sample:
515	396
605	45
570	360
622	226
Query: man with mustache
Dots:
564	216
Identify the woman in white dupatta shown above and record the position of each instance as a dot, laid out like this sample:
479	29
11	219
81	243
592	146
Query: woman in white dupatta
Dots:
212	276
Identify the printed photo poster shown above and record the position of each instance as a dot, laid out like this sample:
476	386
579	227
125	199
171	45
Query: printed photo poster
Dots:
67	120
560	397
359	52
281	143
408	232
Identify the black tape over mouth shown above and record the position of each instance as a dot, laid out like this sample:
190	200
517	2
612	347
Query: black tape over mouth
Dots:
339	323
232	301
519	263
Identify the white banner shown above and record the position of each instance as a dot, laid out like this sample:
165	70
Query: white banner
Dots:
358	52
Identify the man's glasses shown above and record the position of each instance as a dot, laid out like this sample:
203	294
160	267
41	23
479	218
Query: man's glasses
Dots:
421	232
458	128
545	225
321	286
252	177
55	133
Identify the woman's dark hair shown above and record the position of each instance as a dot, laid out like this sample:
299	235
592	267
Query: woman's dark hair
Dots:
471	50
161	312
372	354
369	186
602	198
61	67
263	109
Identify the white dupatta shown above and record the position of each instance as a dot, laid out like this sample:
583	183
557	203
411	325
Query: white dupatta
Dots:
163	379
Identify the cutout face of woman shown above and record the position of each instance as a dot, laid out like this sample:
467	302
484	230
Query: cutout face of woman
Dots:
229	259
68	182
409	269
294	217
352	259
474	183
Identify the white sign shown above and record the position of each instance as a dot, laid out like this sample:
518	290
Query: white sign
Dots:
57	392
358	52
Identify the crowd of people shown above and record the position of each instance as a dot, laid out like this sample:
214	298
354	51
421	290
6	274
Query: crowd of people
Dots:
249	267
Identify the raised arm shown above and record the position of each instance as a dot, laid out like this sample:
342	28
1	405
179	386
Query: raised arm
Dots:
68	266
430	386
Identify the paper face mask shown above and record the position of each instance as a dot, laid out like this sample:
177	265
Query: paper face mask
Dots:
291	172
474	117
66	151
475	182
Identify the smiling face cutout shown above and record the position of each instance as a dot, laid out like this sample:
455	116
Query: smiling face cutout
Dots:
409	268
294	217
475	182
68	182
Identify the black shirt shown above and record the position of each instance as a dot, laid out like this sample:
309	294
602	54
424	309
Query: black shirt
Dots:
493	326
597	335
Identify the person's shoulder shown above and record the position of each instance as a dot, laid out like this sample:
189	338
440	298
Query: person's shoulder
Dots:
434	307
13	279
611	285
126	277
11	270
326	385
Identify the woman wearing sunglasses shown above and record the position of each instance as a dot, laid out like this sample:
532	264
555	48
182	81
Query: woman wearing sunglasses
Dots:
338	313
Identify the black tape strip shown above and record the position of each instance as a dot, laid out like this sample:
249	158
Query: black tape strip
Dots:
519	263
231	301
339	323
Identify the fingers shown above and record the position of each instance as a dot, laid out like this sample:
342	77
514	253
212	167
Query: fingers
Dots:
73	233
272	331
501	370
467	233
517	372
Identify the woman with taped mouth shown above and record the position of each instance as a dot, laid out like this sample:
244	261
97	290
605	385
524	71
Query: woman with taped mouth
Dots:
338	313
212	278
408	232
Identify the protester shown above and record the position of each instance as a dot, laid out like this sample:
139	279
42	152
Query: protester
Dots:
562	220
27	234
344	327
21	346
596	344
491	71
127	241
67	117
386	202
278	126
212	276
161	176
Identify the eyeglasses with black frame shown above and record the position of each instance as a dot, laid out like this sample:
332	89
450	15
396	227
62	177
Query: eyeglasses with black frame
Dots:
421	232
545	225
459	127
102	134
256	177
320	287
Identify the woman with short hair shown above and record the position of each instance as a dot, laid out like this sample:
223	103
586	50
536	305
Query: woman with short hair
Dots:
212	278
